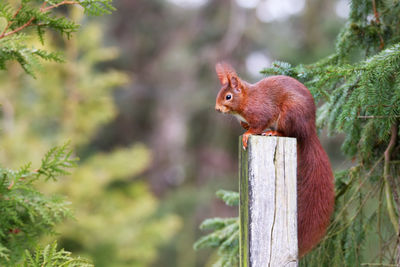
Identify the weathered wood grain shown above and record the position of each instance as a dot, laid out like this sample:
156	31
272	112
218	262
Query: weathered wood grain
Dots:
268	202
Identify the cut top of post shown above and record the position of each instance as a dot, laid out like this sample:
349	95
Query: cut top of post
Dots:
268	202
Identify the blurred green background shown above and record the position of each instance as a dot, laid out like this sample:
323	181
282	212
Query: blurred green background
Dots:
136	98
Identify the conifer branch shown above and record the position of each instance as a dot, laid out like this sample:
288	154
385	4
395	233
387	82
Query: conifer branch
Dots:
376	14
59	4
27	24
378	22
11	21
25	211
42	9
13	40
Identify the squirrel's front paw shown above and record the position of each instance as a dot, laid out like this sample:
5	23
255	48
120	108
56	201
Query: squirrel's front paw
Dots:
245	138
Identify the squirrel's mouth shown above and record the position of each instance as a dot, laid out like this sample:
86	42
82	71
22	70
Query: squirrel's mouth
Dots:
221	108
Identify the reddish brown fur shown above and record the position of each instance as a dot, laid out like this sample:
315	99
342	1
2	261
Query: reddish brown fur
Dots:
286	106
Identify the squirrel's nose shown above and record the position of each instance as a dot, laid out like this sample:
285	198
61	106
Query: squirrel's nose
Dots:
217	108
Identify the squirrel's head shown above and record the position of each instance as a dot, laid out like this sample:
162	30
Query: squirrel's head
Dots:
231	94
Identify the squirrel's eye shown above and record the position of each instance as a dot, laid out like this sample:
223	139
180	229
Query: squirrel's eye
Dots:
228	97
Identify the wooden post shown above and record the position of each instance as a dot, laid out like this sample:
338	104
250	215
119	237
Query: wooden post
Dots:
268	202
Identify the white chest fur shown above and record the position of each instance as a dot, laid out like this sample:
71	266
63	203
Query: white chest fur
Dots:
240	118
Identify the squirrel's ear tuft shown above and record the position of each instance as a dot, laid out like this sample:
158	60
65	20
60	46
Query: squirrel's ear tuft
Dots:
224	72
223	78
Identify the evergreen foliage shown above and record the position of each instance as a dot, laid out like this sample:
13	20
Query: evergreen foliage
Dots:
229	197
49	256
225	235
39	15
26	213
358	87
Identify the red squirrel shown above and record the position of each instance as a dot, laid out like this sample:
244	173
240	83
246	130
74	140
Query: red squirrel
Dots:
285	107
